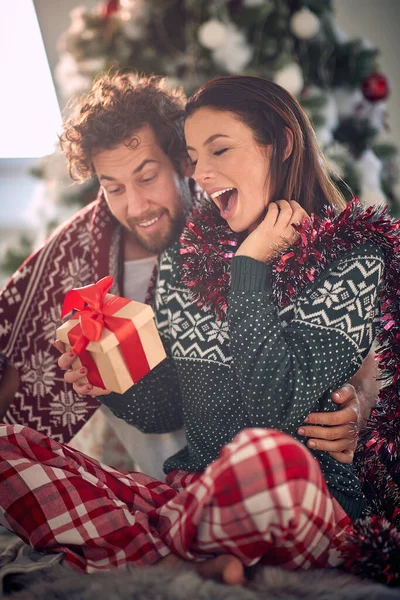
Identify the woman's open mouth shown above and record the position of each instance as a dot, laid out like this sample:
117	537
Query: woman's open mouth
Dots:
226	201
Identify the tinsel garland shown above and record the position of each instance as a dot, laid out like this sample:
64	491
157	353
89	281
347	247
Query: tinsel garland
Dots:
372	550
208	246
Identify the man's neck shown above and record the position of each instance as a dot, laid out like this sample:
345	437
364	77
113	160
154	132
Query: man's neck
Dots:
133	250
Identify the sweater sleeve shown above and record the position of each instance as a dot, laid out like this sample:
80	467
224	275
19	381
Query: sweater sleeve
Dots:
153	405
283	369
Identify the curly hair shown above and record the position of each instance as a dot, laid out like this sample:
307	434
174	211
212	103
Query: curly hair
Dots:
117	106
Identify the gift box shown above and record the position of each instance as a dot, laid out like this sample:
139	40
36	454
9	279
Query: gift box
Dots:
114	338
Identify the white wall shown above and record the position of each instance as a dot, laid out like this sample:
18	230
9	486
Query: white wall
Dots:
53	17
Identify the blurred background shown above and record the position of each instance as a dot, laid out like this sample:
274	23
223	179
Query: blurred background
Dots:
339	57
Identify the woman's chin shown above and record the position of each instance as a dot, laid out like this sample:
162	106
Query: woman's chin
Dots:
237	226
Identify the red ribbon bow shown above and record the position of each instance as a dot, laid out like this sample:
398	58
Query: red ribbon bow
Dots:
95	313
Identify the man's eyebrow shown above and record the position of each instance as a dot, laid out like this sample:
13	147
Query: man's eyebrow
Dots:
143	164
209	140
137	170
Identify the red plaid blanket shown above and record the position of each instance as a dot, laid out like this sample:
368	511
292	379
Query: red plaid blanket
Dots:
264	499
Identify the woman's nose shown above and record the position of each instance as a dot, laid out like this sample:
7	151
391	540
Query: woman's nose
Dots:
202	172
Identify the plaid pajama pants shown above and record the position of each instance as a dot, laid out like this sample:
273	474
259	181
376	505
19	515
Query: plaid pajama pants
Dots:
264	499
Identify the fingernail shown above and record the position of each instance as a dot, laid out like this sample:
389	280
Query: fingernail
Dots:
301	431
306	420
83	370
71	354
311	444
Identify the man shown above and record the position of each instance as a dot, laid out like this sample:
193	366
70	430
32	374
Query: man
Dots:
128	133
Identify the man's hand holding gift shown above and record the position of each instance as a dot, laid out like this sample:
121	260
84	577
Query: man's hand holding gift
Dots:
110	342
77	377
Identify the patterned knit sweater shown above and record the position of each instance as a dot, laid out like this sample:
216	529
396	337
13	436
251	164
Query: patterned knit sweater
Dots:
257	367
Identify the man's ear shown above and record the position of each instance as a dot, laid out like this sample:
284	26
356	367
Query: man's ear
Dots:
187	168
289	143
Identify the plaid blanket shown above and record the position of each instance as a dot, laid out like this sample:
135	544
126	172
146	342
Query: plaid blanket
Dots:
81	251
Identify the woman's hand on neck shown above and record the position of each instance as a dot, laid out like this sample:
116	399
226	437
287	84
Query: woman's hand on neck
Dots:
275	232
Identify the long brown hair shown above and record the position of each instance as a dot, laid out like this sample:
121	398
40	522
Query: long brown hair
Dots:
267	109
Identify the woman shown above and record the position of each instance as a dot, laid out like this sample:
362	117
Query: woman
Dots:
256	339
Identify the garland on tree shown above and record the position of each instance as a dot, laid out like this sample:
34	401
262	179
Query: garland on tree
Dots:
208	246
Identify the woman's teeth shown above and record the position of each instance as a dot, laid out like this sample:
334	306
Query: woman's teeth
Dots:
220	192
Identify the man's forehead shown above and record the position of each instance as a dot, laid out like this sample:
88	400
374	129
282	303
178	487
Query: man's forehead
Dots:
144	139
141	147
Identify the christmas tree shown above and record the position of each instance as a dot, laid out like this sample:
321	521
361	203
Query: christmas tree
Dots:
293	42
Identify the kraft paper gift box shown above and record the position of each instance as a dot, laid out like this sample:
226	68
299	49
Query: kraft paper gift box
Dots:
115	338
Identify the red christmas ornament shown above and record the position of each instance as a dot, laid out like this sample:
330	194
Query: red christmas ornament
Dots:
109	8
375	87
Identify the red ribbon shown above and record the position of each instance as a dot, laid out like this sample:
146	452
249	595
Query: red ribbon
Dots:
94	313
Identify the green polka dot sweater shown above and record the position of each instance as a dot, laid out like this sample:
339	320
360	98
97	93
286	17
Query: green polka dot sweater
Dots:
258	367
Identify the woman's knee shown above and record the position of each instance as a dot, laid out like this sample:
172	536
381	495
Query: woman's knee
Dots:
271	448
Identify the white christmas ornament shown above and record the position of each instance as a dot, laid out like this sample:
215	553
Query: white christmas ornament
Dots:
348	101
236	53
212	34
369	168
290	78
304	24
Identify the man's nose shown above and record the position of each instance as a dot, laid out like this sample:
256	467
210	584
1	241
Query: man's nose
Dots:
137	203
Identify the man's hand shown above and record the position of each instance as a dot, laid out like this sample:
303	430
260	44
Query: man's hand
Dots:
335	432
77	377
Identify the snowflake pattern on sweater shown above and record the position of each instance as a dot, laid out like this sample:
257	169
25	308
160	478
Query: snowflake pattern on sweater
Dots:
258	367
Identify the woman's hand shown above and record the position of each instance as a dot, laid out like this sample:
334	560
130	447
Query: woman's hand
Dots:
77	377
275	232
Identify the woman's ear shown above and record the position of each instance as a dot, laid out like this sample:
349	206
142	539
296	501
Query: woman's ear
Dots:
289	143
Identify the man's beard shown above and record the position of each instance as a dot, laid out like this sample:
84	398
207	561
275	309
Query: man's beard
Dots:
176	220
